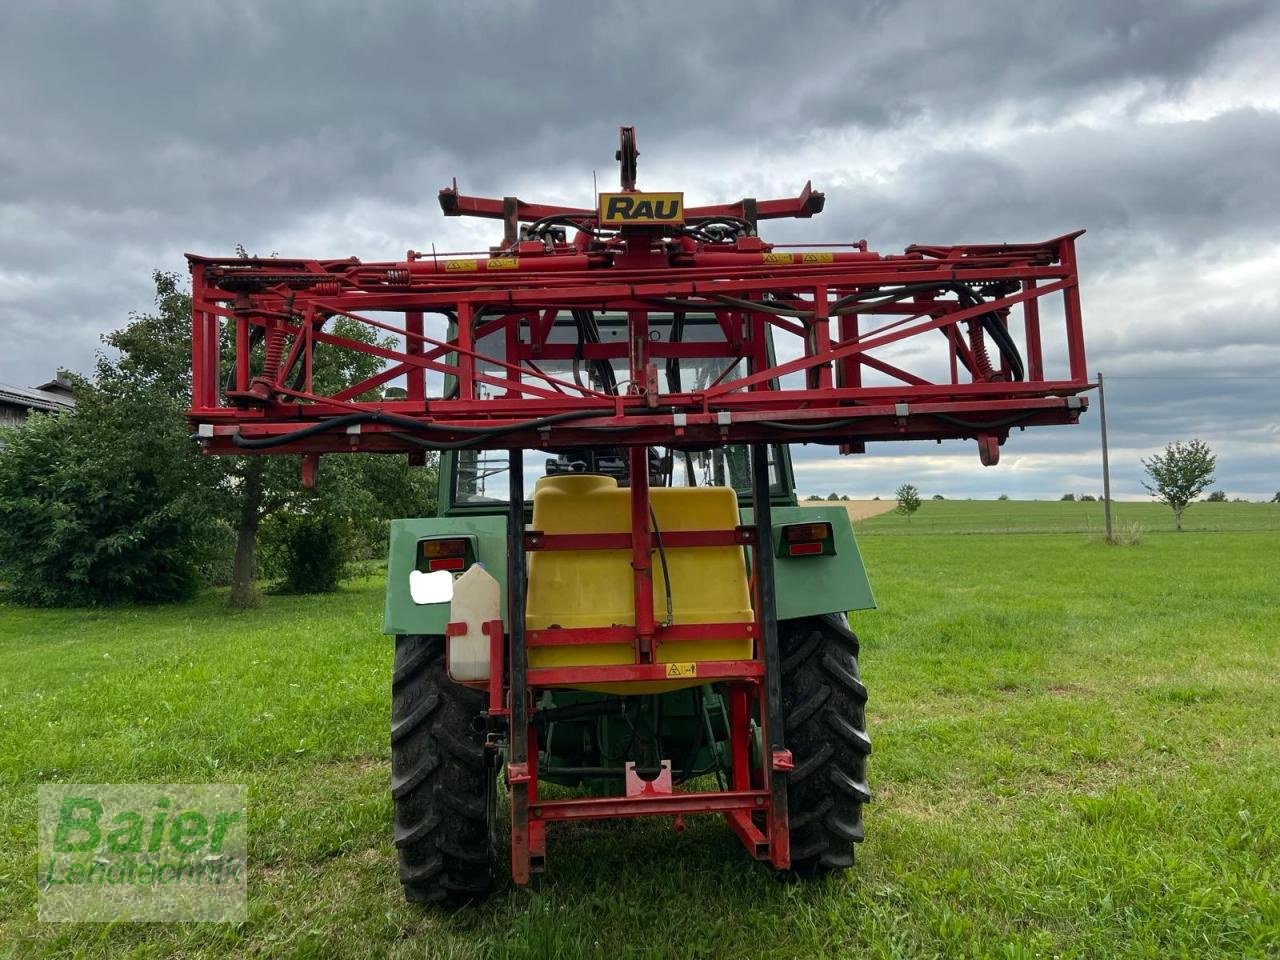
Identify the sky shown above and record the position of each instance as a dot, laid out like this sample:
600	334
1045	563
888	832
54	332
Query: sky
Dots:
134	132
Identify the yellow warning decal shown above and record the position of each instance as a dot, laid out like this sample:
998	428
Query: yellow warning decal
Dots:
777	257
461	266
502	263
818	258
677	670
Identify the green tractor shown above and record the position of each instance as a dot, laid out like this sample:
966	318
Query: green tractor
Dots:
659	629
443	775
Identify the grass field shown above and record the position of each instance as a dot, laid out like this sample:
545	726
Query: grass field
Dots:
1052	516
1077	754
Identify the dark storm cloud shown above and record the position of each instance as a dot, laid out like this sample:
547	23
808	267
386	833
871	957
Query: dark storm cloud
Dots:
132	132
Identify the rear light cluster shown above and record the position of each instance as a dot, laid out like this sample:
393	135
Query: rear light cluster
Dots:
807	540
450	554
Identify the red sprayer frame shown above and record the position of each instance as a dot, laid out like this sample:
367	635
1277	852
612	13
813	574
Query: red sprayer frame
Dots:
847	366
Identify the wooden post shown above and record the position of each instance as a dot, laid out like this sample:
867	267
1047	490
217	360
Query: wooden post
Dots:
1106	467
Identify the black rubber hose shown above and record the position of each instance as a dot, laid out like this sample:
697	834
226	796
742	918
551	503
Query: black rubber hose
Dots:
408	424
992	325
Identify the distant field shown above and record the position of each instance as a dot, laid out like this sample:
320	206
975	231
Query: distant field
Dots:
1077	755
1053	516
857	509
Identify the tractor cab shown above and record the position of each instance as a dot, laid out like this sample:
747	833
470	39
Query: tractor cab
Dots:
475	481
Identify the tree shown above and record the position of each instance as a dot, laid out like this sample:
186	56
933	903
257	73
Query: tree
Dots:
813	497
1086	498
1180	474
938	496
1067	498
1003	496
832	497
1217	496
908	500
1276	498
94	510
367	490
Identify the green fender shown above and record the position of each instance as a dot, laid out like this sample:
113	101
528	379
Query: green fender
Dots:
810	586
490	544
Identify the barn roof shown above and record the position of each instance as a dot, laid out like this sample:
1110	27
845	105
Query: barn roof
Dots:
33	399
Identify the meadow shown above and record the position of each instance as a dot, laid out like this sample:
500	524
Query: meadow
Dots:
1077	754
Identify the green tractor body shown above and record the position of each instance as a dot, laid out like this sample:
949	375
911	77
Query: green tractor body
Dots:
688	725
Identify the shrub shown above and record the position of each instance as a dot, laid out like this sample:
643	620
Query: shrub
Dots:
308	553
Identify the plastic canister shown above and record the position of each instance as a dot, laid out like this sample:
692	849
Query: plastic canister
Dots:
476	600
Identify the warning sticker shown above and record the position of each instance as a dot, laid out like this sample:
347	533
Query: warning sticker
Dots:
818	258
502	263
776	257
461	266
676	671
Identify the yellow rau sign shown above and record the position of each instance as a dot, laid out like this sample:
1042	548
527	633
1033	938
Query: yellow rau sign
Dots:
625	209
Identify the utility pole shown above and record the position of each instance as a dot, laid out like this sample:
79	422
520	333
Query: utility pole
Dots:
1106	468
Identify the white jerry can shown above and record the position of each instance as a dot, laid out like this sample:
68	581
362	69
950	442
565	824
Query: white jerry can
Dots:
476	600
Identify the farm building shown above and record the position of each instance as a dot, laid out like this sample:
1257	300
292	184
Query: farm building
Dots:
18	403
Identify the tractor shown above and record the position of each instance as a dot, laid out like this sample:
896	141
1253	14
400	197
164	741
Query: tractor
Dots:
620	609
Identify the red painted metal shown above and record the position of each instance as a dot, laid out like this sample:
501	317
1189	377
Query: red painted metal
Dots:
711	670
824	346
561	636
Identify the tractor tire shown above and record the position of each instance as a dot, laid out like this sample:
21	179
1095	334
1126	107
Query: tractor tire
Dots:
443	781
824	710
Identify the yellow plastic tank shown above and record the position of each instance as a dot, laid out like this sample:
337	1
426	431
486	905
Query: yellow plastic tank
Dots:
594	588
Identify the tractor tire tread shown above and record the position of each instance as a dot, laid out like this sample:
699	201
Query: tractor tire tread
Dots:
823	701
442	783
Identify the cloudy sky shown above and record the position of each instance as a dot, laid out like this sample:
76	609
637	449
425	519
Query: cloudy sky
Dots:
133	132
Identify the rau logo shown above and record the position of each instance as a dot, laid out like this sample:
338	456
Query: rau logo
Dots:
142	852
621	209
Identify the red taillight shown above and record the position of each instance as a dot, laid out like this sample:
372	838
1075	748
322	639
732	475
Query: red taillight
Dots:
807	540
806	532
446	563
434	549
804	549
446	553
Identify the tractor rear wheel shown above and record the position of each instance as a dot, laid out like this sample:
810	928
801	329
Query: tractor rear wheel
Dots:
443	781
824	710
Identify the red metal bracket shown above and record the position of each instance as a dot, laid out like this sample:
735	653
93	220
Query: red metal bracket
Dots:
637	786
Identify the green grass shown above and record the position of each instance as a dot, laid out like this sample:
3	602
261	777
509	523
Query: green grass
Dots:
1077	754
1052	516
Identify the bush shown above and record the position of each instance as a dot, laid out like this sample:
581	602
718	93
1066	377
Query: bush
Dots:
308	553
95	507
1003	496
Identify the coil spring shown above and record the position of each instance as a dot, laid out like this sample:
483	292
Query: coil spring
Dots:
978	347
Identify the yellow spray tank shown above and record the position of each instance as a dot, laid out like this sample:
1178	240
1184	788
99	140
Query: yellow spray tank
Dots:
594	588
